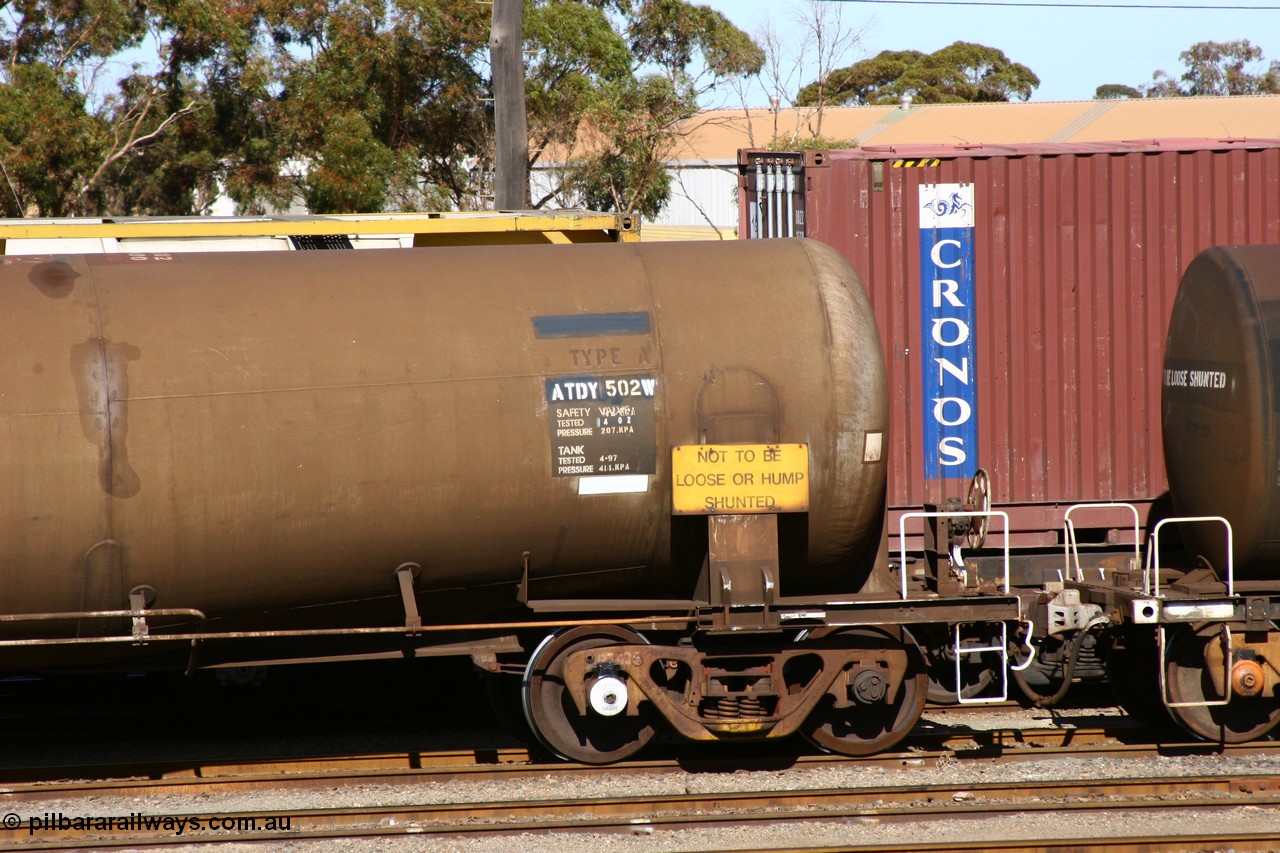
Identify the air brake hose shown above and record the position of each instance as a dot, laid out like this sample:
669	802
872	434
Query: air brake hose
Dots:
1068	673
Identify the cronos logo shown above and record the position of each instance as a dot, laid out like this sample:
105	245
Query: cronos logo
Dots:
949	359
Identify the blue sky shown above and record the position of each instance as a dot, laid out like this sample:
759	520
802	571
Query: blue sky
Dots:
1071	50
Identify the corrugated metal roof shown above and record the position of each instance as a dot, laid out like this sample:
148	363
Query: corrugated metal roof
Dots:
716	136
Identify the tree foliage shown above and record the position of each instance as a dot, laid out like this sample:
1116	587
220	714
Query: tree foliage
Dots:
158	106
1115	91
1212	68
659	57
962	72
374	94
798	142
1222	68
47	142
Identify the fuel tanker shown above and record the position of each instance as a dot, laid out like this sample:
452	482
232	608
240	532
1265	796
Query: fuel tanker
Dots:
1221	402
525	454
249	432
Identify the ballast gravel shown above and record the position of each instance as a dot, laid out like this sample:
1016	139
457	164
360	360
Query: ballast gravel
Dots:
780	835
790	836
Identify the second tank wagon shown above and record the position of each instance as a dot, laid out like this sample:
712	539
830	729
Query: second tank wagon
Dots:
1221	397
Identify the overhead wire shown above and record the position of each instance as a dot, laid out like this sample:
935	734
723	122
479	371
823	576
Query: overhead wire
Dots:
1028	4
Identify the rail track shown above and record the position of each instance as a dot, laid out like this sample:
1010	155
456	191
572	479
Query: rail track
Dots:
1149	800
921	749
43	807
372	798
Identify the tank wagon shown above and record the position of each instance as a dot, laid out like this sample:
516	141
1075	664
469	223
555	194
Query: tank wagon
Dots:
637	484
1191	629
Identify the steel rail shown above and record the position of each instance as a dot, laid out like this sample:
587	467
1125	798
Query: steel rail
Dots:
191	778
912	804
941	742
1128	844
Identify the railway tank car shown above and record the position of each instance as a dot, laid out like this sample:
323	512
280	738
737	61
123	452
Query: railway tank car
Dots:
252	434
1222	454
1192	630
1222	436
664	464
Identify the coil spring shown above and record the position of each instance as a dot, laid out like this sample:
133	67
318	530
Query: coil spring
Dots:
736	708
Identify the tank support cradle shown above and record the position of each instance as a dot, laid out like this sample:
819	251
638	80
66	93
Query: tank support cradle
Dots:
742	554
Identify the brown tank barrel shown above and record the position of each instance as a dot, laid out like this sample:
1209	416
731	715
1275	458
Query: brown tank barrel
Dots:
1220	402
243	432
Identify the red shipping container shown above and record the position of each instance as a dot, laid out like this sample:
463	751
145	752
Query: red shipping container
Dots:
1023	295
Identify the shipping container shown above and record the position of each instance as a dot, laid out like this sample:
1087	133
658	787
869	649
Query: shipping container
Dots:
1023	294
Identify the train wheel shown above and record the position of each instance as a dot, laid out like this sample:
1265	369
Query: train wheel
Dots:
1133	669
589	738
1244	718
868	721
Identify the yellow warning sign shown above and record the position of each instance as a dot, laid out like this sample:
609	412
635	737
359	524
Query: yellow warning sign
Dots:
719	479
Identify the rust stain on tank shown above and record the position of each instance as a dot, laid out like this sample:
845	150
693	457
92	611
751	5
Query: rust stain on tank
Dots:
100	369
55	279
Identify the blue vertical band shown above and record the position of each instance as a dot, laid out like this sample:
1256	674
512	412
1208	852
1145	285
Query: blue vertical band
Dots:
949	358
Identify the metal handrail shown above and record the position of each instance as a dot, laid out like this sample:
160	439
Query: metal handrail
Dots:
1071	548
1152	568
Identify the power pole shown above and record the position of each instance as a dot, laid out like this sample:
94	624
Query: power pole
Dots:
506	56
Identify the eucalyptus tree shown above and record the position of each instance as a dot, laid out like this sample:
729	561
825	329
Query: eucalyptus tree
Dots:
1218	68
51	57
159	106
610	84
380	102
962	72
